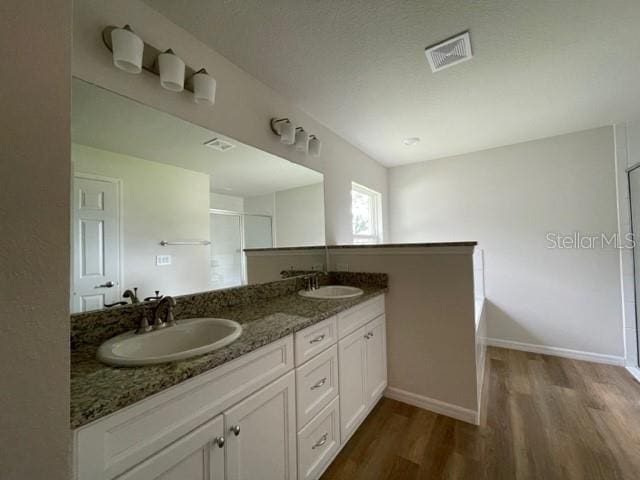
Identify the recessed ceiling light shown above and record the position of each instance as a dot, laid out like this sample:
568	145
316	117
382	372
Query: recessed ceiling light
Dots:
411	141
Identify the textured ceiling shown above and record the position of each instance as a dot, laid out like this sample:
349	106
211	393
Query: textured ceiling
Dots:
105	120
540	67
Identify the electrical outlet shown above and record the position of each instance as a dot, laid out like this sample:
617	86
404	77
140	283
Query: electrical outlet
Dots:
163	260
317	267
342	267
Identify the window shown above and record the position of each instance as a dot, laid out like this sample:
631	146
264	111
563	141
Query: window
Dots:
366	214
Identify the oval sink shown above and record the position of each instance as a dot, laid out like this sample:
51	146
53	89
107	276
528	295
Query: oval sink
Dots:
332	292
188	338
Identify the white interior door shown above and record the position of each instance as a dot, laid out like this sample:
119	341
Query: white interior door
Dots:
96	243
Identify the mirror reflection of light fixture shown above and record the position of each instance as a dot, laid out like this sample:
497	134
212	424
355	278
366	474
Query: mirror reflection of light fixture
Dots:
314	146
302	140
127	49
284	129
204	87
171	69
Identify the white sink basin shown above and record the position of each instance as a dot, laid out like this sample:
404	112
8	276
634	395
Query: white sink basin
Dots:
332	292
187	338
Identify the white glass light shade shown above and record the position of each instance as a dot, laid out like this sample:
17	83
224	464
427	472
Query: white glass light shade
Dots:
287	133
302	140
314	147
204	88
171	71
127	50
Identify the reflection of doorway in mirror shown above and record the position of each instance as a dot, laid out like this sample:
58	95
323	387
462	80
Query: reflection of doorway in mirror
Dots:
231	233
96	242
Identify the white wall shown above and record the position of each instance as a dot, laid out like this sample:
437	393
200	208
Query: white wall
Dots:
243	104
34	244
226	202
508	199
159	202
300	216
431	330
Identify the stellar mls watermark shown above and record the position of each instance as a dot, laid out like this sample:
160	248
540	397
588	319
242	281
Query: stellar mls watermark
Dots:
579	240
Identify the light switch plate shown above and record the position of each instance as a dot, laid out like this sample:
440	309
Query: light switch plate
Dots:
342	267
163	260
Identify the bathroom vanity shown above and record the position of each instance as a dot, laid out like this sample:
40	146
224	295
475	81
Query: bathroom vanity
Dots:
282	410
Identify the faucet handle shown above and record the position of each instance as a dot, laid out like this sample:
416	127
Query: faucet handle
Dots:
144	323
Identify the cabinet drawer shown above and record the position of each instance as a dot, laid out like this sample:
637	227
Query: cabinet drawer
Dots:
319	442
356	317
316	384
314	339
113	444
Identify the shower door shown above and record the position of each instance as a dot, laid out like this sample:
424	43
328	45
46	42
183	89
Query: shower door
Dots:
634	198
226	250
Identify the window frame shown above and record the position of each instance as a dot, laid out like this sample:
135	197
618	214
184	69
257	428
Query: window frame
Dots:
376	215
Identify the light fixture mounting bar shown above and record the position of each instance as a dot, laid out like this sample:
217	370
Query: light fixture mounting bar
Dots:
149	58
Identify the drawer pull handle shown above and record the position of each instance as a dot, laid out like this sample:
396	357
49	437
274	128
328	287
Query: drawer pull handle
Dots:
219	441
319	338
235	430
319	384
321	442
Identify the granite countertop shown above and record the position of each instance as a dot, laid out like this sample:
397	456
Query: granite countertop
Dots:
98	389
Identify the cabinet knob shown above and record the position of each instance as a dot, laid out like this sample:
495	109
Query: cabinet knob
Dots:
235	430
219	441
367	336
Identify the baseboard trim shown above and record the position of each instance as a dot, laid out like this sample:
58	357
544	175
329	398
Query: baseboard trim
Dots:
433	405
635	372
556	351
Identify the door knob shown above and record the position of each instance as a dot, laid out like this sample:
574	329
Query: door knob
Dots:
109	284
235	430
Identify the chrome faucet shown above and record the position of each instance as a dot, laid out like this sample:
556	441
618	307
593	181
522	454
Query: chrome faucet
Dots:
165	303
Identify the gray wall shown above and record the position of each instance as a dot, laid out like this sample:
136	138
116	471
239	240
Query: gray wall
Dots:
34	244
508	199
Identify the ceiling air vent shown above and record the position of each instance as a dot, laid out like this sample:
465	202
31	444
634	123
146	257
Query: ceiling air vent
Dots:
219	144
450	52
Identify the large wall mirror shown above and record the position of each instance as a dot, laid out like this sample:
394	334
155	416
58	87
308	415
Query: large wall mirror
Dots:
163	205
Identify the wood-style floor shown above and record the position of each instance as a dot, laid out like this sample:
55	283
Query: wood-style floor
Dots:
543	418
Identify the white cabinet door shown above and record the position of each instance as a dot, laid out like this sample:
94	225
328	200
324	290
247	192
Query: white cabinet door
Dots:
199	455
376	366
265	444
352	369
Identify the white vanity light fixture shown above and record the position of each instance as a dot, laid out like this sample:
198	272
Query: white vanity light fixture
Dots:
204	87
131	54
127	49
302	140
314	146
284	129
171	69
